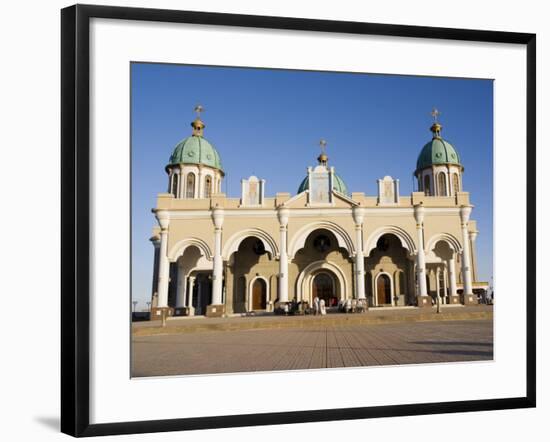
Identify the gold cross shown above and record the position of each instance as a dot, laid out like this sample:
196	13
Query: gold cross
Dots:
435	113
198	110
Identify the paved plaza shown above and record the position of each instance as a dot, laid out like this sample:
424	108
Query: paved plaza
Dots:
312	347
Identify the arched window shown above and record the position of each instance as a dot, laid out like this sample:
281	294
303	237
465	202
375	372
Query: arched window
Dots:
190	189
175	180
441	184
208	186
456	183
427	187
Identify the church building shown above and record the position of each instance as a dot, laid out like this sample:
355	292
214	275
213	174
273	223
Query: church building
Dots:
218	256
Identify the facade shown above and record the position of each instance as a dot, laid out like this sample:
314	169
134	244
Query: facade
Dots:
216	255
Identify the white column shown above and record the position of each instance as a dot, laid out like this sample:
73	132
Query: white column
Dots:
200	186
181	184
438	284
155	239
164	265
181	289
445	291
420	258
217	274
374	290
358	217
283	215
473	236
190	295
452	276
466	264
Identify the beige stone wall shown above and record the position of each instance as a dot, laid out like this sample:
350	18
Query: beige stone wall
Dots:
191	219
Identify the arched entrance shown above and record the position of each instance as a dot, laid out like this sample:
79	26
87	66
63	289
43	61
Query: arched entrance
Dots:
323	287
383	289
259	294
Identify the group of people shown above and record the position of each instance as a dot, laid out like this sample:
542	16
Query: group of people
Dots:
353	305
319	307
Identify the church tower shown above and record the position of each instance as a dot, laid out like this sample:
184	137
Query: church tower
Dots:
195	169
438	168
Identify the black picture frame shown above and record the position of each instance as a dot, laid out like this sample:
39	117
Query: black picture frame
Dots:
75	214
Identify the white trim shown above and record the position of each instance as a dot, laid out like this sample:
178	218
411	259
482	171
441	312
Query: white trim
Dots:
392	293
345	198
446	237
232	244
178	249
310	212
298	240
406	240
250	292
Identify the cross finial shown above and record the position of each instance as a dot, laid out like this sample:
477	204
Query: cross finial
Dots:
435	114
198	110
323	144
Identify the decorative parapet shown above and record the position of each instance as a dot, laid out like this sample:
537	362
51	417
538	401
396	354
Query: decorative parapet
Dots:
460	199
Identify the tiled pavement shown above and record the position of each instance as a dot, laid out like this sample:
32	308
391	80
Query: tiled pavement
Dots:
318	347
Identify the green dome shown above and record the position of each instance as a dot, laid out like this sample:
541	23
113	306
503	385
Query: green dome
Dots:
437	151
337	184
196	150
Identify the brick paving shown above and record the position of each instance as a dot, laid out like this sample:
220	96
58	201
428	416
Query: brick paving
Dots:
314	347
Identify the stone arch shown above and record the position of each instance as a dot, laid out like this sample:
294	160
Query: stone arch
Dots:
453	243
232	244
405	239
177	249
305	279
298	241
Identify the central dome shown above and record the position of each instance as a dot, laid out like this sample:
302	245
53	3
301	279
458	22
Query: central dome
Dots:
337	184
196	150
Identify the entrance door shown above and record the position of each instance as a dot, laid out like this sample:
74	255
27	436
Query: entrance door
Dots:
383	290
202	293
323	288
259	295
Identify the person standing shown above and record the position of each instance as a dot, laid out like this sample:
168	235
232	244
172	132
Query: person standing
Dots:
316	305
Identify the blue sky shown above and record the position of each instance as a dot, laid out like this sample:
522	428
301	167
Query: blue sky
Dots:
268	123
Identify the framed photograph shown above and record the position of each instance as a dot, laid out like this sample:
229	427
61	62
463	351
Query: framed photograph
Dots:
271	220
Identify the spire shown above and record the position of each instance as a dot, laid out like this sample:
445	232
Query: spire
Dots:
197	124
436	127
323	158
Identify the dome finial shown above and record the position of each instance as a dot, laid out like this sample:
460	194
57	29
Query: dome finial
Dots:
436	127
197	124
323	158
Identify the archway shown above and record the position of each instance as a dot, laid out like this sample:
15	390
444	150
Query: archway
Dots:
340	238
391	258
246	264
323	287
305	282
383	289
259	294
